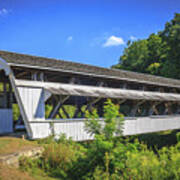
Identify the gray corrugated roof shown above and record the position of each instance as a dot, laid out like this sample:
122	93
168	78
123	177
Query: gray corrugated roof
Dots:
27	60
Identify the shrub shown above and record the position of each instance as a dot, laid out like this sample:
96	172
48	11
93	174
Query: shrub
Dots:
100	150
60	156
109	156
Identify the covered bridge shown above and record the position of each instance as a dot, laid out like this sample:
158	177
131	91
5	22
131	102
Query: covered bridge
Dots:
150	103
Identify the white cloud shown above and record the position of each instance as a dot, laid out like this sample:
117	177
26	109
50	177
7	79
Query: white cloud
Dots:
3	11
70	38
133	38
113	41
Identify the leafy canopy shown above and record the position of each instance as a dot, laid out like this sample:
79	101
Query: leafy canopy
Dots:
158	54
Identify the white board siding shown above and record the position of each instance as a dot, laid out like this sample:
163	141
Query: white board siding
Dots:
75	128
40	130
6	121
70	129
33	102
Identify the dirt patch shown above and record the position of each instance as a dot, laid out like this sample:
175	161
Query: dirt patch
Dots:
9	173
9	145
13	159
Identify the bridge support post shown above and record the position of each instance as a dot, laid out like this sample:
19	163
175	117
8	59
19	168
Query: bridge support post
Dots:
168	109
153	108
135	107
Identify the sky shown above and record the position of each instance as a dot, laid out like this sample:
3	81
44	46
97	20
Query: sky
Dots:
87	31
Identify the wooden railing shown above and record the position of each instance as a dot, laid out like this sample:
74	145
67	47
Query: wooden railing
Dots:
75	128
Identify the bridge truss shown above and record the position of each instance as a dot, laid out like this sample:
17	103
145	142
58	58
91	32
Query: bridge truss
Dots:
149	103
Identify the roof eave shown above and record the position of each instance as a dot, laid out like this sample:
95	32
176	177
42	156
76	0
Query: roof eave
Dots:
93	75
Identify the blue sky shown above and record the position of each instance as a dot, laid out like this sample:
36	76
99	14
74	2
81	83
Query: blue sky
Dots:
87	31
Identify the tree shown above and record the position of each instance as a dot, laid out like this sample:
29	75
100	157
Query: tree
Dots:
171	35
158	54
134	56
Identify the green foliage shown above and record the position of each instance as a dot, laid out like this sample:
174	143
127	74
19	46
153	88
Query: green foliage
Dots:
92	123
58	158
154	68
28	164
178	137
146	56
143	165
104	133
135	56
47	140
158	54
1	87
16	112
109	156
69	108
112	118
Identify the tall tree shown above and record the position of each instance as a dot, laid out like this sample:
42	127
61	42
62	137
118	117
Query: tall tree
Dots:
171	35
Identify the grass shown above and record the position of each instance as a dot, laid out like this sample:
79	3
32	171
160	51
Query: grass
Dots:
10	145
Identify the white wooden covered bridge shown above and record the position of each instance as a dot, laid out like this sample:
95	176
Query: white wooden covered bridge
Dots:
150	103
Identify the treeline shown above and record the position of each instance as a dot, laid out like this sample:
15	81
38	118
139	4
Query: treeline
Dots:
159	54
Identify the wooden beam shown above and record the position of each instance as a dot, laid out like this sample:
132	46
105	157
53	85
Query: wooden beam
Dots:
161	89
21	74
41	76
100	109
144	88
92	91
105	84
135	107
121	101
72	80
65	112
100	83
78	109
124	86
10	96
5	95
153	108
57	107
34	76
60	116
178	108
91	103
168	109
174	90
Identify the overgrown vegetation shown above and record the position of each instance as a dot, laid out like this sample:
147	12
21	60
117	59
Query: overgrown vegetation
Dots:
107	156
